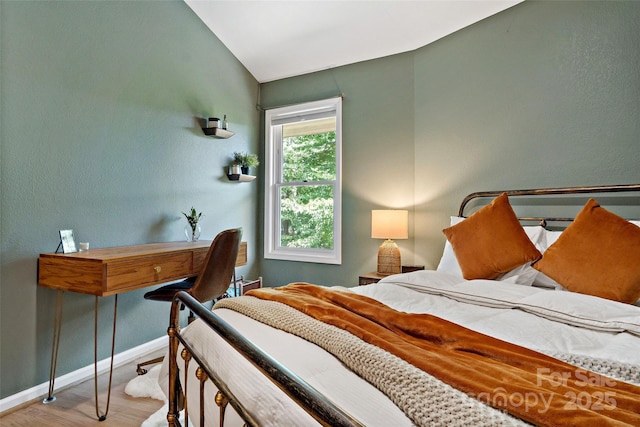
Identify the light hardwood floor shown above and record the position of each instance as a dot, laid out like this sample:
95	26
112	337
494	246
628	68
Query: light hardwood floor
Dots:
75	406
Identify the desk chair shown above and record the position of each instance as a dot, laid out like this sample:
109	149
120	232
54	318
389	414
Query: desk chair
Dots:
212	282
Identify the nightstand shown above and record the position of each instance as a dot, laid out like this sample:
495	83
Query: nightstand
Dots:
410	268
369	278
374	277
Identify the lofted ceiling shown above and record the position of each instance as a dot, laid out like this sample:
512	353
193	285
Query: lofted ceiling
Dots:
279	39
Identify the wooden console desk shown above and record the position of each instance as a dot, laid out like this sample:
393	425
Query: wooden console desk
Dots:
110	271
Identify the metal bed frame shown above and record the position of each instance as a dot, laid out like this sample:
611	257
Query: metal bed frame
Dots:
318	406
619	188
312	401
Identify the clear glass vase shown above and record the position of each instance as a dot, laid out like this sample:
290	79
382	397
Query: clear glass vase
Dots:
192	233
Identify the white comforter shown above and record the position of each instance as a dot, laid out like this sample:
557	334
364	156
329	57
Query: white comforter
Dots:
546	320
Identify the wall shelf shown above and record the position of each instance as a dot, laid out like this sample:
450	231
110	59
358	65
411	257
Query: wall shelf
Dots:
240	177
218	133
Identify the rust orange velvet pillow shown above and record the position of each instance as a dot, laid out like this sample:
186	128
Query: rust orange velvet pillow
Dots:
491	241
598	254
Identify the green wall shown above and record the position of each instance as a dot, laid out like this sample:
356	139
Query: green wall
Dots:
377	149
544	94
99	134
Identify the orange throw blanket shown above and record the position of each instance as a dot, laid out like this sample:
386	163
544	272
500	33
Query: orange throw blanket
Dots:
539	389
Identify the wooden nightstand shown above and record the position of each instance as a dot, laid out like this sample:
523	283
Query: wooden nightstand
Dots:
369	278
410	268
374	277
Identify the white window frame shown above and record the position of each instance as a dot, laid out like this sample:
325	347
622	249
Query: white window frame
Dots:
273	182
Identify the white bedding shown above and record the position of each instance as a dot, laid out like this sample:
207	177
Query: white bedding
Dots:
537	323
536	318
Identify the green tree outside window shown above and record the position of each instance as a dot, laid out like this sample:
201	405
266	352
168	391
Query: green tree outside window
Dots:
307	210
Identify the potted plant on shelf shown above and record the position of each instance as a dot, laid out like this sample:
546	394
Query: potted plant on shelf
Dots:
245	161
192	230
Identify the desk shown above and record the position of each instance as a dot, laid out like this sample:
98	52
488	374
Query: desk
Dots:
110	271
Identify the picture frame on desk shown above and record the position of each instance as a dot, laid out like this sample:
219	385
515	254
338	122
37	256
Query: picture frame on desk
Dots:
67	242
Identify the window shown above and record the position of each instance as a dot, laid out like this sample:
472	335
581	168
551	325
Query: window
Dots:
303	185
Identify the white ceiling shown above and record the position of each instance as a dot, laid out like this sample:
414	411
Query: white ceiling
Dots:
278	39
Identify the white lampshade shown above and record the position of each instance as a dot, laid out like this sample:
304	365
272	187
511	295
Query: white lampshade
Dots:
389	224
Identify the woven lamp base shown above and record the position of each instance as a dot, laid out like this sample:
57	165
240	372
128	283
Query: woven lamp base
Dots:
388	258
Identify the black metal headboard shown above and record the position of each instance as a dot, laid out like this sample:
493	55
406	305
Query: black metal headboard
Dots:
622	188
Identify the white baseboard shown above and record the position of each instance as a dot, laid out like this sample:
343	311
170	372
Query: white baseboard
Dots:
82	374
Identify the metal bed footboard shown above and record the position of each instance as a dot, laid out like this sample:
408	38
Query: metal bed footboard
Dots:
312	401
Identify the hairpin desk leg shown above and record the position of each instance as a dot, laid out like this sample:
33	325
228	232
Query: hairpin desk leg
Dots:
55	345
95	357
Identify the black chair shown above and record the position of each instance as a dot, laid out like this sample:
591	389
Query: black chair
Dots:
212	282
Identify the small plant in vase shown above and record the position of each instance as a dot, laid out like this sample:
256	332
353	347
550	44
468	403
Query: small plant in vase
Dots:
245	161
192	230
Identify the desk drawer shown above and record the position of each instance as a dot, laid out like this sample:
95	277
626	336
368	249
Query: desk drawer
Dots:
148	271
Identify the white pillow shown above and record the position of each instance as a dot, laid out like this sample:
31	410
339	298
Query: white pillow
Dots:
541	280
449	262
523	275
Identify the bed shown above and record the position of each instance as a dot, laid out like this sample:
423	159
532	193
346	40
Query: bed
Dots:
523	322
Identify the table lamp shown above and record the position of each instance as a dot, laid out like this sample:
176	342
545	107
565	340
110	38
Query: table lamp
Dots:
389	224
